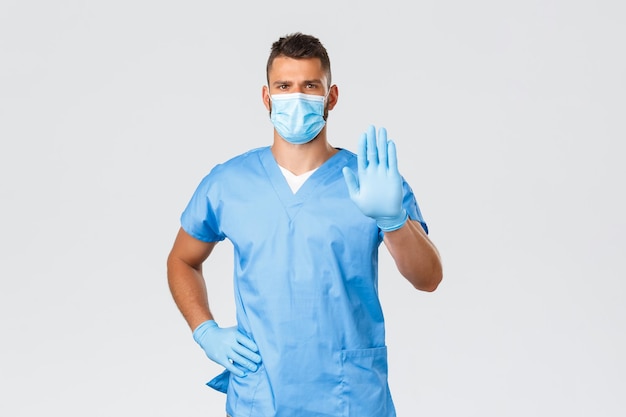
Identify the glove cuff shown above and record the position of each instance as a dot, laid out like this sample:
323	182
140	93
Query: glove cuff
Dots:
389	224
202	328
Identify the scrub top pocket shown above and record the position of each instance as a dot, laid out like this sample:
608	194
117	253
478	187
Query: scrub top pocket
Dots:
365	386
250	395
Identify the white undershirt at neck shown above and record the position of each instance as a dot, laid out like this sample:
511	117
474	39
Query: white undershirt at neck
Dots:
295	181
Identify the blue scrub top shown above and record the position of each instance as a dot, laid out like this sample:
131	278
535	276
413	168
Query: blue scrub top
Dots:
306	287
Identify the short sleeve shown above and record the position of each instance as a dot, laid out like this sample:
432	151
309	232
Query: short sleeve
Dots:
199	219
410	205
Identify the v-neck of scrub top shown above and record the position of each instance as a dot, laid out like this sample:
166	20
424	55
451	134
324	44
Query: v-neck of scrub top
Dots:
295	181
293	201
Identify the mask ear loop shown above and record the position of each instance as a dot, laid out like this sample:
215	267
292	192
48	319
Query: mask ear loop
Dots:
325	114
269	96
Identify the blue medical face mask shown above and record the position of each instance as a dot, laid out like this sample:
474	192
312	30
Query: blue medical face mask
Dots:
297	117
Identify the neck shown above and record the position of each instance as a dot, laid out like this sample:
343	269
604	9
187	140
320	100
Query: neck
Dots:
299	159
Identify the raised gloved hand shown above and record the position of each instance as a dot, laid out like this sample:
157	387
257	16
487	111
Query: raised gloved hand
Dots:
228	347
377	190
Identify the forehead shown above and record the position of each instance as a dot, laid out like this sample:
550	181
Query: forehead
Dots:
290	69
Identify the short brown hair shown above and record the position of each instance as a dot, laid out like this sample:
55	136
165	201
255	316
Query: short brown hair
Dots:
298	45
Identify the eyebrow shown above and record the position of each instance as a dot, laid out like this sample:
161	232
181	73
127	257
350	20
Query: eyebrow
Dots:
315	81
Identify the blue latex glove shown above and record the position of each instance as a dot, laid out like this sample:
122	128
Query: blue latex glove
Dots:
377	190
227	347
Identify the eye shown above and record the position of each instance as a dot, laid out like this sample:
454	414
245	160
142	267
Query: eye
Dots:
282	87
311	86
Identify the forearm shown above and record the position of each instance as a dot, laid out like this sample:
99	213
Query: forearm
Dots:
188	289
415	256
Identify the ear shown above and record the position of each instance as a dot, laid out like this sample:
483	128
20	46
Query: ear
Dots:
266	97
333	96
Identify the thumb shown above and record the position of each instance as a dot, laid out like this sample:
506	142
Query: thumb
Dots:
351	181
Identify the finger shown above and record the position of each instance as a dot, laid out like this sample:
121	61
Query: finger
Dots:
231	365
241	368
392	157
244	362
382	147
362	153
244	340
372	151
247	355
351	181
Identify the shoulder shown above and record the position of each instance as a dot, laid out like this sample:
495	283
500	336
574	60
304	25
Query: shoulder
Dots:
237	163
347	157
347	153
242	159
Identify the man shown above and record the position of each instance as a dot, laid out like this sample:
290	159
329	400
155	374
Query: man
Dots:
306	221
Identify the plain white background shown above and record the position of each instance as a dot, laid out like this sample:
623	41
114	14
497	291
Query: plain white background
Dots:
509	122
